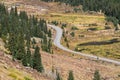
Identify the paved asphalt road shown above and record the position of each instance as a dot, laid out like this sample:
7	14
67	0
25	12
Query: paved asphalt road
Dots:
58	44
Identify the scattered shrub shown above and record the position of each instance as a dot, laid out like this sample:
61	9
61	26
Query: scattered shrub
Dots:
54	22
93	29
72	34
94	24
107	27
27	78
80	36
74	28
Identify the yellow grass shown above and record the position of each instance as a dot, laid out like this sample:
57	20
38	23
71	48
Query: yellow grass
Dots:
12	73
74	18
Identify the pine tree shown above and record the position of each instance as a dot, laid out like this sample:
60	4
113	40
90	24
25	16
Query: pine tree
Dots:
66	40
28	56
37	62
11	45
49	45
20	46
45	43
49	33
96	75
67	45
24	60
58	77
16	14
70	77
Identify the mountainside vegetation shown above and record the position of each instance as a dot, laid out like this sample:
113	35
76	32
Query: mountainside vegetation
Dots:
17	30
28	40
109	7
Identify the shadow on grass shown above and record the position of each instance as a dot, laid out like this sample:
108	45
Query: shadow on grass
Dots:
100	42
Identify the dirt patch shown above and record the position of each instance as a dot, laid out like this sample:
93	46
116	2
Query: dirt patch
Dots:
83	68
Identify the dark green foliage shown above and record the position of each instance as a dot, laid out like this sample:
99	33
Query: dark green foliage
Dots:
114	20
33	41
23	15
67	45
93	29
37	63
24	60
63	34
58	76
46	44
107	27
64	25
66	40
74	28
49	33
109	7
96	75
54	22
77	10
20	46
28	57
49	45
72	34
17	30
70	77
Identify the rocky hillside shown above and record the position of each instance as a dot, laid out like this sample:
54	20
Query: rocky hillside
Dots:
13	70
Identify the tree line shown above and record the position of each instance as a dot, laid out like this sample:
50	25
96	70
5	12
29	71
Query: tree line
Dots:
109	7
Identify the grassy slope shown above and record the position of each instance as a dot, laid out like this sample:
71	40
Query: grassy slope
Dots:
81	21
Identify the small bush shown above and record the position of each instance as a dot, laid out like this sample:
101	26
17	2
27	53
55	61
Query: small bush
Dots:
27	78
93	29
107	27
76	10
54	22
64	25
118	75
13	75
74	28
94	24
80	36
72	34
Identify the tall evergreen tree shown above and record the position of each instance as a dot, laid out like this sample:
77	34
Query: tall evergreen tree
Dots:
49	33
96	75
28	57
20	46
16	14
70	77
58	77
49	45
37	62
24	60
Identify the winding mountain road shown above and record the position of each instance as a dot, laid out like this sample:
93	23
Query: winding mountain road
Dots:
58	44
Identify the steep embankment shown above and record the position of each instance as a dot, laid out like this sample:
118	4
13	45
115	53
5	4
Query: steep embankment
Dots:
10	70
